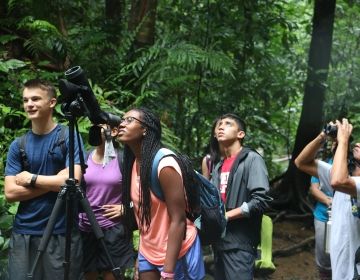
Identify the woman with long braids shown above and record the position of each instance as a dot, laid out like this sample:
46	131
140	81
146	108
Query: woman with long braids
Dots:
169	244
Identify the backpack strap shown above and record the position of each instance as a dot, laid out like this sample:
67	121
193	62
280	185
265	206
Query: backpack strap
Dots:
119	154
87	155
25	166
155	183
209	163
86	158
120	158
61	141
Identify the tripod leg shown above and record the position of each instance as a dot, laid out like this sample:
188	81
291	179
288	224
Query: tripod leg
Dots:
98	232
48	231
69	226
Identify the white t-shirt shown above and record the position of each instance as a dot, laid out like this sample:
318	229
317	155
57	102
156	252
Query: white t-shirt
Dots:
345	228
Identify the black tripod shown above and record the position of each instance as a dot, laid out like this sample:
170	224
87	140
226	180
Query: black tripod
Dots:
68	194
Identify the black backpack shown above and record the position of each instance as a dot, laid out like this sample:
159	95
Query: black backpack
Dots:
61	142
211	221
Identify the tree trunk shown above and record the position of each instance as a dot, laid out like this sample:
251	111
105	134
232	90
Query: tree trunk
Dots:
295	182
143	18
114	13
3	9
114	10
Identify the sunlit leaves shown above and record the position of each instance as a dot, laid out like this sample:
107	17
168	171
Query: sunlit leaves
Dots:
11	64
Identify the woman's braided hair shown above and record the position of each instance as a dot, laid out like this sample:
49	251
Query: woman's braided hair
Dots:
151	143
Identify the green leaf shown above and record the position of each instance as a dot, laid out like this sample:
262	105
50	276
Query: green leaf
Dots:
11	64
6	221
7	38
13	208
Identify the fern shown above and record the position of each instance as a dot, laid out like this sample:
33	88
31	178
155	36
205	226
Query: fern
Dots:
163	62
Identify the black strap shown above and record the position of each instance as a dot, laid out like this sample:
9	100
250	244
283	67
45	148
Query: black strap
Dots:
61	142
25	166
120	158
83	183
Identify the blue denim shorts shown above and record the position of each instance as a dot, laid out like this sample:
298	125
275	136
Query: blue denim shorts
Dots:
190	266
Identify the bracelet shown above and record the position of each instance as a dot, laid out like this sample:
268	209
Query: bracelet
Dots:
167	275
33	180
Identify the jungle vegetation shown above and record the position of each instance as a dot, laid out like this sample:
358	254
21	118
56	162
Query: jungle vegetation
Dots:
287	67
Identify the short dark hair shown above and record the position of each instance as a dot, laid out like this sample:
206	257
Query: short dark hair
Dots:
241	124
42	84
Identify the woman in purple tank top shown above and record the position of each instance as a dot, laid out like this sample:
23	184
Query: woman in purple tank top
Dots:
103	180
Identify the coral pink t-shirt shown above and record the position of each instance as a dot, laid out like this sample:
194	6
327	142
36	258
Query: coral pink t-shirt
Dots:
153	243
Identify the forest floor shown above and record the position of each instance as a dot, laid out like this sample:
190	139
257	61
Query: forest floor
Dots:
299	264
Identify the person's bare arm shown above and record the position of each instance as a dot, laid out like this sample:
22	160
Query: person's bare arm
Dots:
18	188
15	192
113	211
340	179
319	195
173	189
233	214
54	183
306	161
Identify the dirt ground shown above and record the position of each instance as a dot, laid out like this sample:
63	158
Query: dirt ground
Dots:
301	264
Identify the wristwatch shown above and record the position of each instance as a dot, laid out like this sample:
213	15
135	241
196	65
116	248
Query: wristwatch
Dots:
33	180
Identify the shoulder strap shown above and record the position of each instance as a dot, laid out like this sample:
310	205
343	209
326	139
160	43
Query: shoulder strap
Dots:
155	183
209	163
87	155
25	166
83	182
120	158
61	141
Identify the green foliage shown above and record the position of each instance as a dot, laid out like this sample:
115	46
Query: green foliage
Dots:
11	64
7	212
344	83
208	58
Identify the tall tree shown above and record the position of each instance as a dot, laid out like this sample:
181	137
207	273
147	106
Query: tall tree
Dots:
143	17
114	13
311	118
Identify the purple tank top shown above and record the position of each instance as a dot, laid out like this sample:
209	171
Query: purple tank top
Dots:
103	186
